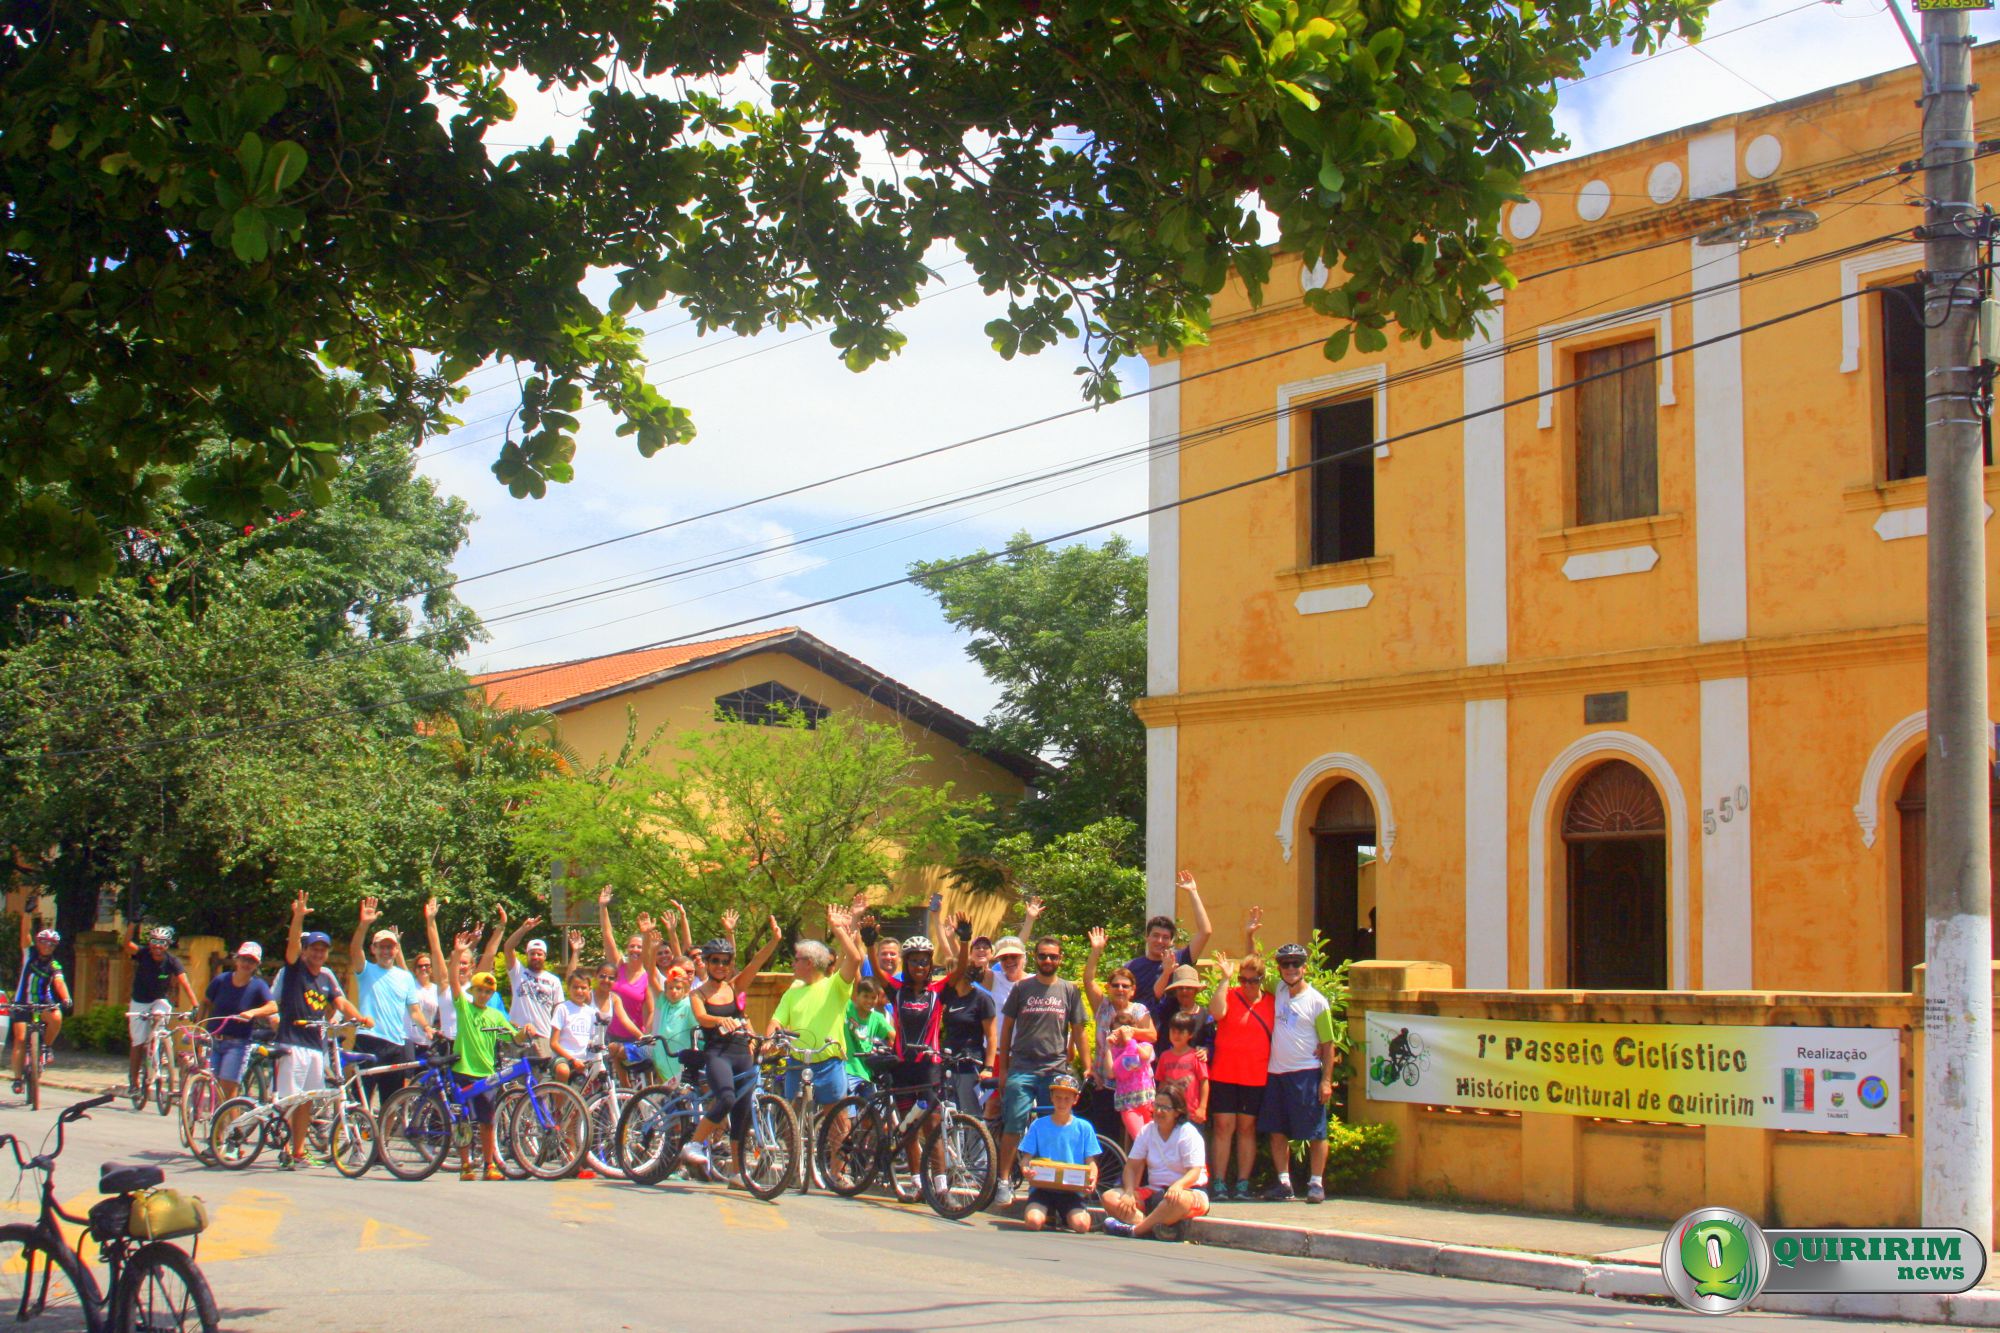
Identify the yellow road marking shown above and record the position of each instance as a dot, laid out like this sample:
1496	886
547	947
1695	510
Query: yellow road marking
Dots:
751	1217
575	1201
388	1236
243	1225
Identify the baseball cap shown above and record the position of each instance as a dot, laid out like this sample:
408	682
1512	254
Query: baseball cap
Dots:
982	941
1010	944
535	945
486	979
251	949
382	935
315	937
1184	976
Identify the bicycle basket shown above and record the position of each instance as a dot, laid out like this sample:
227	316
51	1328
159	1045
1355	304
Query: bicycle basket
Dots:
111	1218
163	1214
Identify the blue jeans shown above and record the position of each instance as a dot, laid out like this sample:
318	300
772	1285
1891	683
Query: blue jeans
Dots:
829	1080
1024	1093
227	1057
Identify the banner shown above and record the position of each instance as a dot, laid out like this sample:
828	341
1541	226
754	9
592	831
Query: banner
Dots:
1841	1079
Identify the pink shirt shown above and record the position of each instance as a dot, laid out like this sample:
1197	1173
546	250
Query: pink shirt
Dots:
632	993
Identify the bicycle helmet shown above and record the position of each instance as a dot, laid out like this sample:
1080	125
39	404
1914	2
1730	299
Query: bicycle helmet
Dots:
161	935
1292	953
718	949
917	944
48	935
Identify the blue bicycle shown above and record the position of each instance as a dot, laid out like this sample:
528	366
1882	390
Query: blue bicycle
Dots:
541	1125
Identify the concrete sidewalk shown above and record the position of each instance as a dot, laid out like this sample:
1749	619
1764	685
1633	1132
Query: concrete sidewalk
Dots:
1567	1254
86	1072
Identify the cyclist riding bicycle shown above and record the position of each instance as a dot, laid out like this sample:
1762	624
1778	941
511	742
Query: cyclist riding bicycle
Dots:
157	977
41	982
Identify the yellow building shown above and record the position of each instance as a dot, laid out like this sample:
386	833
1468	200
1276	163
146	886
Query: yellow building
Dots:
721	682
1615	663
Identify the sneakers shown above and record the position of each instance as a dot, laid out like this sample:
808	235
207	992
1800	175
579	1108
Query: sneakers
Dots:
1316	1193
1280	1192
1003	1194
1242	1194
942	1184
695	1158
494	1173
18	1087
468	1172
907	1191
1113	1227
287	1162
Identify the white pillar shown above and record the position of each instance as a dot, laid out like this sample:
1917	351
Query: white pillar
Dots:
1163	634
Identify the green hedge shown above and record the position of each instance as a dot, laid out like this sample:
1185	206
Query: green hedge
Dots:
99	1028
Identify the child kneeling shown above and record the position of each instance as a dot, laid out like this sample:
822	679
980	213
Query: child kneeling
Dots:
1062	1137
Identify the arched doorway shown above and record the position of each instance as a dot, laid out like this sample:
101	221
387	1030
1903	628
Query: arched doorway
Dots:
1343	832
1615	833
1910	863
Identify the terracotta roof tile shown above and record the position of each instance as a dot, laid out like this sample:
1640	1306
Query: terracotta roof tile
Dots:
550	687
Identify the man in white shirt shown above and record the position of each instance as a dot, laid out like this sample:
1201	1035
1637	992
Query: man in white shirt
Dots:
538	992
1301	1083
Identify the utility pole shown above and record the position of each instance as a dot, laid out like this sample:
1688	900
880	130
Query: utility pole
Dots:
1958	935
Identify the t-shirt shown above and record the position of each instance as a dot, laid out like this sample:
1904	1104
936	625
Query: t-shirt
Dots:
1299	1024
447	1020
304	997
633	991
1075	1142
1168	1159
818	1013
39	975
480	1029
864	1038
999	987
426	1000
1243	1040
153	978
965	1018
673	1023
537	996
1146	975
574	1025
1044	1014
917	1016
386	994
1190	1067
227	999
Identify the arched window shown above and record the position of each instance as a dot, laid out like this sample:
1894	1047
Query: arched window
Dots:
1615	833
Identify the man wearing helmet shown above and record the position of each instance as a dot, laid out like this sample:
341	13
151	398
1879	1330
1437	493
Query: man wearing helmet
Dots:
157	978
1301	1079
916	1014
41	982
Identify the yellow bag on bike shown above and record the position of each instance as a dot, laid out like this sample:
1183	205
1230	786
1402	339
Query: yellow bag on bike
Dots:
163	1214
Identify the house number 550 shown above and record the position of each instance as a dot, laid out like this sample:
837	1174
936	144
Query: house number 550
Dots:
1726	809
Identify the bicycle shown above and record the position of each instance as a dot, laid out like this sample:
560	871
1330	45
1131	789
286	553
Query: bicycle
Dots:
659	1120
157	1072
879	1136
605	1098
654	1126
33	1056
154	1285
805	1105
1110	1161
542	1125
202	1095
242	1128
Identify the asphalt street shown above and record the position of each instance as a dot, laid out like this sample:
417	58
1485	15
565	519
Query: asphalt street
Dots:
314	1251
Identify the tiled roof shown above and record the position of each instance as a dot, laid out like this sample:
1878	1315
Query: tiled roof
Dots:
550	687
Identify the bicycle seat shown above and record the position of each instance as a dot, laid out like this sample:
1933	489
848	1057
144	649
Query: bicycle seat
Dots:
444	1061
352	1058
128	1177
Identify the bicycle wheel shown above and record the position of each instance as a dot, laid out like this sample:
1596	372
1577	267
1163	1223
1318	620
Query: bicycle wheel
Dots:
550	1131
413	1134
850	1143
959	1166
652	1130
354	1140
257	1078
1411	1073
1110	1161
604	1115
503	1135
137	1092
43	1289
768	1156
161	1069
198	1102
163	1292
233	1142
31	1071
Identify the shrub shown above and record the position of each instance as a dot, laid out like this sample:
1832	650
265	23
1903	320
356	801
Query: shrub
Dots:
1355	1152
99	1028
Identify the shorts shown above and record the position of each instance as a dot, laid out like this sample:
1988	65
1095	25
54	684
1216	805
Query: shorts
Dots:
300	1069
1023	1094
912	1074
483	1103
138	1022
1236	1098
829	1081
1292	1107
1060	1203
227	1057
1147	1196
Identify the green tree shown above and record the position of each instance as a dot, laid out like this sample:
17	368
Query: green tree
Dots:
259	218
784	818
1062	632
1085	878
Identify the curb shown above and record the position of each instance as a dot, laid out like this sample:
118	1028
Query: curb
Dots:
1563	1273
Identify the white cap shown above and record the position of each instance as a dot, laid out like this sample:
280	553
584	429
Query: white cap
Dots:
252	949
542	945
382	935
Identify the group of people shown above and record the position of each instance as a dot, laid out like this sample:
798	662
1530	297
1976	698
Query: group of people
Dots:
1187	1085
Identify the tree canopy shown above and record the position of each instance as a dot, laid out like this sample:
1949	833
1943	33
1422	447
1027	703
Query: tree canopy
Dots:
289	222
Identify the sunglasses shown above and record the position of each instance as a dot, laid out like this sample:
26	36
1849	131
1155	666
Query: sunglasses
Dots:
1049	958
715	958
1286	967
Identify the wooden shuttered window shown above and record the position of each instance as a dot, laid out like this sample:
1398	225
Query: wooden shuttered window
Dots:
1343	488
1902	330
1617	433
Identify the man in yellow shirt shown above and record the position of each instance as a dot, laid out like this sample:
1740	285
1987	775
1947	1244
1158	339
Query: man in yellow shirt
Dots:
816	1009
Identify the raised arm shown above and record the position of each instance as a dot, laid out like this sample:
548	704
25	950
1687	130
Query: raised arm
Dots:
1098	937
611	949
1253	921
1218	999
729	919
439	972
1031	913
492	948
958	931
656	984
762	956
299	910
940	932
840	924
513	944
357	946
685	945
1203	928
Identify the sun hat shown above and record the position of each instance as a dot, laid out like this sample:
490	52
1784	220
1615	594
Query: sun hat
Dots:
1009	944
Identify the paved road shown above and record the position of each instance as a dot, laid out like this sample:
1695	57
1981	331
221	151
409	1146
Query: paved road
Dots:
314	1251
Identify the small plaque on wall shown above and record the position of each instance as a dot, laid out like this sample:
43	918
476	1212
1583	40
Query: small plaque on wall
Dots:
1603	708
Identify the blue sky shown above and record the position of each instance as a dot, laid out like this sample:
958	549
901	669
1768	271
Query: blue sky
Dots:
778	410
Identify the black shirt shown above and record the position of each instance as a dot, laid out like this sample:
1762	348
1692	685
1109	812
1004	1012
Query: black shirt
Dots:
153	978
965	1019
304	998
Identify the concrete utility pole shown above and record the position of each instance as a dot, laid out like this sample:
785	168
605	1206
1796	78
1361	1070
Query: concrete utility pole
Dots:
1958	938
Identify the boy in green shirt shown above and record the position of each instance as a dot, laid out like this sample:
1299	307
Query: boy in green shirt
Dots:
868	1030
480	1029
